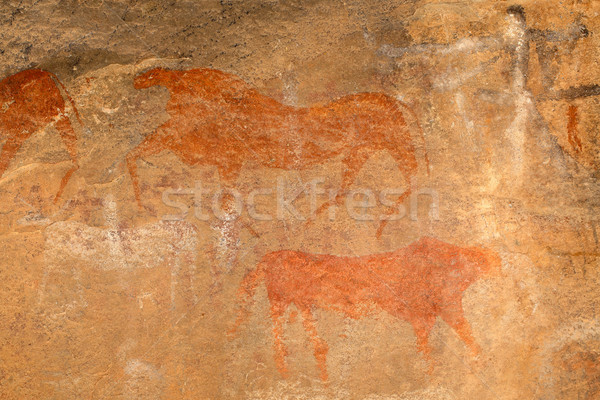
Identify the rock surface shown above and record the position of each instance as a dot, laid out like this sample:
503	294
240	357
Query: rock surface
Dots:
476	121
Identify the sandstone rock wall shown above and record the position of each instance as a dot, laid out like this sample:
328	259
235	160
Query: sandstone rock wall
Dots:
477	121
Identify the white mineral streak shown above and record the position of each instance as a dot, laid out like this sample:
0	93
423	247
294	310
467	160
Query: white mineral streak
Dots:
516	35
148	246
227	244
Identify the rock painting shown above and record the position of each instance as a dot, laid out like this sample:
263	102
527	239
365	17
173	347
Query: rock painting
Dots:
107	293
572	128
217	119
116	248
417	284
30	100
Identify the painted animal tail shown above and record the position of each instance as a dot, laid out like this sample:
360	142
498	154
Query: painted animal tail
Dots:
245	296
403	106
58	82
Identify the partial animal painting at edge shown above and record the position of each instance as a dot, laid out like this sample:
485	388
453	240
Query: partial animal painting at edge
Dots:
30	100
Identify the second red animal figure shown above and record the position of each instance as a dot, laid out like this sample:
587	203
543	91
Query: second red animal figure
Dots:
418	283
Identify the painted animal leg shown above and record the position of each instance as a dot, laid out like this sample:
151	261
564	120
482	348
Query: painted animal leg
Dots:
393	209
226	251
353	163
277	312
245	297
407	164
461	326
153	144
422	330
228	177
320	345
228	226
9	151
67	134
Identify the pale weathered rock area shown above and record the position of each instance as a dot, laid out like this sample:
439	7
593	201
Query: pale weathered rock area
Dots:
103	298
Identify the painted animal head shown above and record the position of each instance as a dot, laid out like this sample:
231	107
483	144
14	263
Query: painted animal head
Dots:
477	262
153	77
486	261
467	264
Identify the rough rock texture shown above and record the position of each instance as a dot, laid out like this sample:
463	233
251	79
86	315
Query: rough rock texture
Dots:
486	288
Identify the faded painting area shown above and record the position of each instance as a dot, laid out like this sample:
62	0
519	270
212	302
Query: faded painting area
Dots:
299	199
